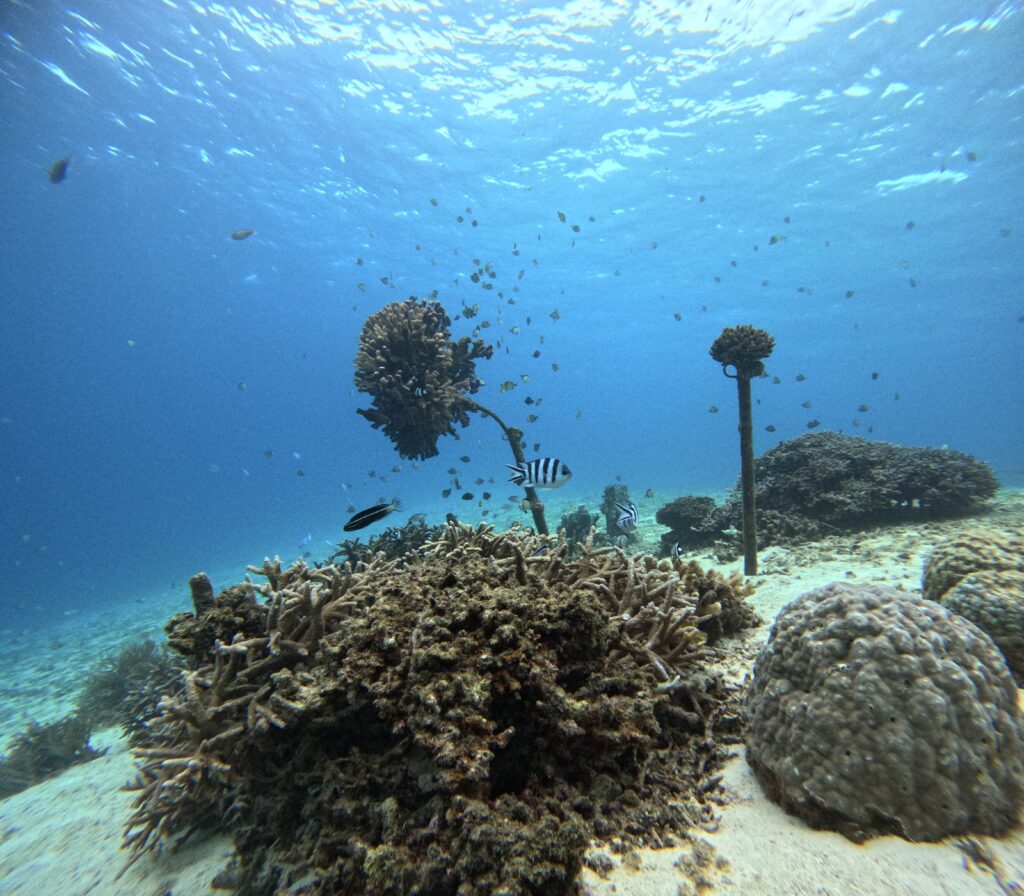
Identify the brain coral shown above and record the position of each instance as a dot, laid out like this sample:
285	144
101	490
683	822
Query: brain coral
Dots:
875	711
993	599
969	552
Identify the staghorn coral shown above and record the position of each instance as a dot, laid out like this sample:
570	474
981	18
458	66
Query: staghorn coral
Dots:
463	722
417	376
393	542
969	552
872	710
577	525
743	348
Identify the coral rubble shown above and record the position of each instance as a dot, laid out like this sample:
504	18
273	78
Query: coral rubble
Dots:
872	711
464	722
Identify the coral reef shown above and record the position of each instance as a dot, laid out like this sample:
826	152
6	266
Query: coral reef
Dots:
743	348
825	482
873	711
418	377
461	723
42	751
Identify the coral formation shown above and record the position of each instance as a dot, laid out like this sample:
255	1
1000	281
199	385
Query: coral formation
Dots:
614	495
577	526
824	482
42	751
743	348
394	542
993	599
971	551
872	711
685	518
124	688
461	723
418	377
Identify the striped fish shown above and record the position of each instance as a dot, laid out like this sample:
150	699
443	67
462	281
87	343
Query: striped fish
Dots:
628	519
543	472
370	515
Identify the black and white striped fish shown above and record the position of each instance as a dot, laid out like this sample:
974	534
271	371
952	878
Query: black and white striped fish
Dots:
628	519
370	515
543	472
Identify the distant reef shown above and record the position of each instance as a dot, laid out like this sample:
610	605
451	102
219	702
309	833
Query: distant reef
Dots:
825	482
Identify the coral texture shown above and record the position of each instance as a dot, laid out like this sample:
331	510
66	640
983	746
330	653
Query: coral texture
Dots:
994	601
968	552
460	723
42	751
875	711
418	377
744	348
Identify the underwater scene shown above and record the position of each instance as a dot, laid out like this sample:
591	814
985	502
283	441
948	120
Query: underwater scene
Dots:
480	447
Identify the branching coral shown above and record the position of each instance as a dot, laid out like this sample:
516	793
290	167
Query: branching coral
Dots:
42	751
463	722
417	376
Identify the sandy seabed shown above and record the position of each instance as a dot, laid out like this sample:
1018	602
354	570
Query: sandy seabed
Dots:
63	836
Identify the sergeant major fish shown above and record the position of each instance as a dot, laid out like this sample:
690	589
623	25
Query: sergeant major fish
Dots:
542	472
628	519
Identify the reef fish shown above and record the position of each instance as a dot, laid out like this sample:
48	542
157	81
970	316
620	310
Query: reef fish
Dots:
628	519
365	517
59	169
543	472
241	234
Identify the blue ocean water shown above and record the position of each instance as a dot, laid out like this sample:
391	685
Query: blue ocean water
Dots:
847	175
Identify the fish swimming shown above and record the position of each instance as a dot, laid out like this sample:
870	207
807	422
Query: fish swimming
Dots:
59	169
542	472
628	519
676	550
365	517
241	234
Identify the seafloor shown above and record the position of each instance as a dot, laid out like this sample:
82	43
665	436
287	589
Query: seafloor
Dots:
64	835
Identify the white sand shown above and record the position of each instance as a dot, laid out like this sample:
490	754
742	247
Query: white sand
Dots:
63	836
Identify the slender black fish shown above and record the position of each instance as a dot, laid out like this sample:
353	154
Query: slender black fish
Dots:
370	515
59	170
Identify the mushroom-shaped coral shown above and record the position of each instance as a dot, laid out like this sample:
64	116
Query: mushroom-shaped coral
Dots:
875	711
418	377
744	348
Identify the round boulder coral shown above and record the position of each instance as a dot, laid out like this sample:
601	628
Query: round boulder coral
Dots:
875	711
993	599
972	551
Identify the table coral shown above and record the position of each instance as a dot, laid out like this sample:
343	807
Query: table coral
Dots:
466	721
872	710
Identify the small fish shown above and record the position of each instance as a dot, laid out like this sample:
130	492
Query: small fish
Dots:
561	217
874	374
467	496
306	539
805	404
241	234
542	472
863	408
365	517
769	428
677	316
812	424
299	473
465	458
59	169
800	377
621	541
268	453
676	550
536	552
713	409
446	493
849	293
555	315
649	493
775	381
507	386
628	519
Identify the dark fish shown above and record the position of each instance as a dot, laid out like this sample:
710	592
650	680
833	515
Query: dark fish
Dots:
769	428
241	234
800	377
468	496
805	404
628	518
465	458
863	408
446	493
268	453
713	409
649	493
874	374
299	473
849	293
542	472
812	424
59	170
365	517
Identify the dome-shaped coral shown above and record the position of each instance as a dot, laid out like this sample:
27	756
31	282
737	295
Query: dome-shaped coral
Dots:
971	551
875	711
993	600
